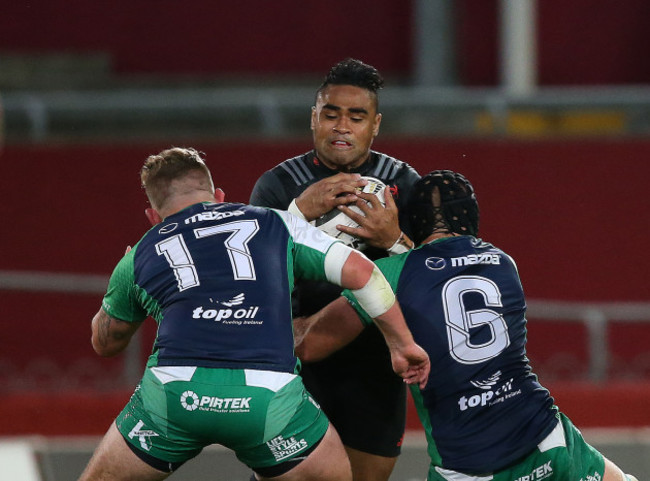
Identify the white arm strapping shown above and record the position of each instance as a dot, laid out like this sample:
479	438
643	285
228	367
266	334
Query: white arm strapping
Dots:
336	256
376	297
293	209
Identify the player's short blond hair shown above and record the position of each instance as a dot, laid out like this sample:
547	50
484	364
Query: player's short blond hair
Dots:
161	170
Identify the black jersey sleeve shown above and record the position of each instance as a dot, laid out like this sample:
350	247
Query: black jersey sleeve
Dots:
269	192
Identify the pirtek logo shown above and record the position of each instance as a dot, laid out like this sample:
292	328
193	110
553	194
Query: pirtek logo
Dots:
539	473
190	401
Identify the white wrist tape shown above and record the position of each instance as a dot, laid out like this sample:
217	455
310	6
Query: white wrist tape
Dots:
399	247
293	209
376	297
336	256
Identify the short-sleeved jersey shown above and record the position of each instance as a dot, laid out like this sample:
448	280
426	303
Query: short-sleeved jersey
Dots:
218	280
276	188
482	408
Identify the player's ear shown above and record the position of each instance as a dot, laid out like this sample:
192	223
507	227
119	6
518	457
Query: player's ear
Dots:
312	124
153	216
219	195
375	130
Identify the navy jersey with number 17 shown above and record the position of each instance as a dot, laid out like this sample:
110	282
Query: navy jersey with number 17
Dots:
218	280
482	408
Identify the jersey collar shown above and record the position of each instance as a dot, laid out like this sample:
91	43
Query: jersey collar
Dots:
363	169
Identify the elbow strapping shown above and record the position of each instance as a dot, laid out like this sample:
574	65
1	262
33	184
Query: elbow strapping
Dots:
376	297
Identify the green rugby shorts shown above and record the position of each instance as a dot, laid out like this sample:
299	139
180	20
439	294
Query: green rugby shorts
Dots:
563	455
266	417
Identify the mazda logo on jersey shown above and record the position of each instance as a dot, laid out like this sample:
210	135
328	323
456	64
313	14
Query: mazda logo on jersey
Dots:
435	263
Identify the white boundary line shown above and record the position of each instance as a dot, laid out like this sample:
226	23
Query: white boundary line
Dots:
18	461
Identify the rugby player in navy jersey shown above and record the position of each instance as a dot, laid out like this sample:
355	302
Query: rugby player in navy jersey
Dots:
369	410
485	415
217	278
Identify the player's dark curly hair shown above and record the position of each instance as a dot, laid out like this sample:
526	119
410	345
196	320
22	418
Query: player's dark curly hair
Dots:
442	201
356	73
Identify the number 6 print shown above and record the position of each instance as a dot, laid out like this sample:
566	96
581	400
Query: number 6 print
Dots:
459	320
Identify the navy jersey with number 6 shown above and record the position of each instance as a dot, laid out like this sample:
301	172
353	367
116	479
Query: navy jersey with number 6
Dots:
218	279
482	408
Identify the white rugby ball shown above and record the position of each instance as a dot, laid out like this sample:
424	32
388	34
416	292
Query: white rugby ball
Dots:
328	222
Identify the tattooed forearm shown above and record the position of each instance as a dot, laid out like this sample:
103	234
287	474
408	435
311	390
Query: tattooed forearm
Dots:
104	329
111	335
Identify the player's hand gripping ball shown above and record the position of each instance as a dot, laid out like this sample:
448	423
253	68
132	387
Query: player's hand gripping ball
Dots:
328	222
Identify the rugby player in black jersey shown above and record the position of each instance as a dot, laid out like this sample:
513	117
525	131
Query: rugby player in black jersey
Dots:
367	404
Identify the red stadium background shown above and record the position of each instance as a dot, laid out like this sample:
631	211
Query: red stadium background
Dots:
573	214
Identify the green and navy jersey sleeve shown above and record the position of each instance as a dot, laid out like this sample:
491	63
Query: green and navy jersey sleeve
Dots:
391	267
310	247
121	298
